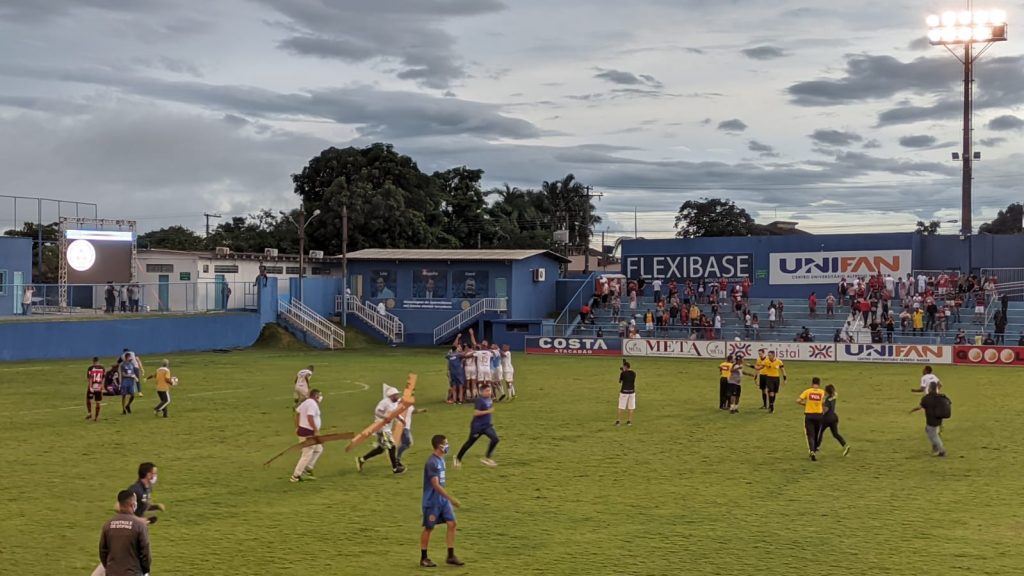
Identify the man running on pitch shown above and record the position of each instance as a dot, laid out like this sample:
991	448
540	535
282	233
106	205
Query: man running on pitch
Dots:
481	426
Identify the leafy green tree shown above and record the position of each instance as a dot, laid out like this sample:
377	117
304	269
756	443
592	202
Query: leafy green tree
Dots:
172	238
712	217
522	218
255	233
928	229
466	221
391	203
569	203
1009	221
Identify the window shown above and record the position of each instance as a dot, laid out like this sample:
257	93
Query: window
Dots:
225	268
321	271
159	268
517	327
293	270
274	269
206	268
3	282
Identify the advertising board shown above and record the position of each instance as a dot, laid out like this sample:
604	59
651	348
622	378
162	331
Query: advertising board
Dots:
570	346
989	355
830	267
895	353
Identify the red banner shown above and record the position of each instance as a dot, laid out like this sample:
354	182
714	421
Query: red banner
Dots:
989	355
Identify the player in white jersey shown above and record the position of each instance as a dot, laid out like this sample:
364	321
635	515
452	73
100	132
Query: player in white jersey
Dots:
469	367
927	378
508	372
483	364
302	384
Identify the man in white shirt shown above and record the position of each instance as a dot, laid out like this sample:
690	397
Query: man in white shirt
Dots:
385	440
922	283
890	284
26	300
483	364
302	384
307	425
927	378
508	372
656	286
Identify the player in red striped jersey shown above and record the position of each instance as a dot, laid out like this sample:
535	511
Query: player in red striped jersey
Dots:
95	376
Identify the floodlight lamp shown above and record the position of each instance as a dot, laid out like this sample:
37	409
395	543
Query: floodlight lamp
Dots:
956	156
982	33
949	34
935	35
998	17
977	155
948	18
964	33
316	212
933	21
963	18
981	17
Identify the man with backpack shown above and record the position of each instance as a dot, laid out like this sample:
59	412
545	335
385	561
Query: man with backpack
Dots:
937	407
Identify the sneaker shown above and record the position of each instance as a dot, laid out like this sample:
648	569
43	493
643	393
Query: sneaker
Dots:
629	422
456	463
488	462
399	470
427	563
814	457
616	422
771	410
308	475
846	450
764	407
294	479
734	411
941	454
359	463
88	417
454	561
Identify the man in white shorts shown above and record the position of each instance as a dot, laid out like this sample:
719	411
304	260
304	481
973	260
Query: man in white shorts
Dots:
302	384
496	373
627	393
508	372
482	355
469	367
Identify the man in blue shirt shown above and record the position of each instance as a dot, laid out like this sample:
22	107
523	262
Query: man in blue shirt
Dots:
129	383
456	373
437	503
481	426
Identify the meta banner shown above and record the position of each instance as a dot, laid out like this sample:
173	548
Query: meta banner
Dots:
570	346
895	353
805	351
664	348
690	266
829	267
989	355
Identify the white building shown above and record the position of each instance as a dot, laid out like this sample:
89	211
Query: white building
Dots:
172	280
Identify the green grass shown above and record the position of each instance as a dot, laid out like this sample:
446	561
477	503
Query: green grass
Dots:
687	490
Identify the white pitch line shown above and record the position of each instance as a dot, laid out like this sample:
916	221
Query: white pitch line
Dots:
214	392
362	388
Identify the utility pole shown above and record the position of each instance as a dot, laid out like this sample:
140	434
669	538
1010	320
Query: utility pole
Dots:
302	247
208	216
344	264
588	193
634	223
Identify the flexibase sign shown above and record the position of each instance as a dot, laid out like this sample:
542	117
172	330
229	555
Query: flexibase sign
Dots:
570	346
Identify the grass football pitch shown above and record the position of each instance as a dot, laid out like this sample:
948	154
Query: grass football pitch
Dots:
688	489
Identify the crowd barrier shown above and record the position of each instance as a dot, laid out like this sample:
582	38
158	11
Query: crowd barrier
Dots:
801	351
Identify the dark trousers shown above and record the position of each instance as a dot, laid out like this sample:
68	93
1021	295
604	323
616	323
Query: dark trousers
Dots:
831	424
392	455
813	426
723	392
165	399
474	436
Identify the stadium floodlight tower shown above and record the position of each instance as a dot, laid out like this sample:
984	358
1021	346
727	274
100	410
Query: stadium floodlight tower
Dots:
967	28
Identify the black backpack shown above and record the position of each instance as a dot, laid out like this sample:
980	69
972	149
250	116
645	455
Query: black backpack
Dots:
943	407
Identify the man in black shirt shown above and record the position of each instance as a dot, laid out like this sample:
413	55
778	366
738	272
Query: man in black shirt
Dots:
931	403
142	490
627	394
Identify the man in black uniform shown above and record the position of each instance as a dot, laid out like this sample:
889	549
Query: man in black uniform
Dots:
142	490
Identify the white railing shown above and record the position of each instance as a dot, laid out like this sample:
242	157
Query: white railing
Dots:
569	318
387	324
460	319
307	320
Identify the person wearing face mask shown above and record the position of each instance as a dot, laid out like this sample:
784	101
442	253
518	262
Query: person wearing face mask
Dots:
307	425
143	491
437	503
124	542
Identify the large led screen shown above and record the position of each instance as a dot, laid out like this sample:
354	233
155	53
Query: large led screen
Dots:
98	256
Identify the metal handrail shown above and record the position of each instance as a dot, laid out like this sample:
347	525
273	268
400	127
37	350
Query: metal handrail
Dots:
387	323
311	322
565	318
460	319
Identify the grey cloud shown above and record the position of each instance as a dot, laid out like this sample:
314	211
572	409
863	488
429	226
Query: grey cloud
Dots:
1005	122
943	109
993	142
872	144
733	125
918	141
411	33
836	137
920	44
875	77
627	78
42	10
764	53
764	150
176	65
381	113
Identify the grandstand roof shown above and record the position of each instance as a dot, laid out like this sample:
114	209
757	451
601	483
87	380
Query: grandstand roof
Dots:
452	255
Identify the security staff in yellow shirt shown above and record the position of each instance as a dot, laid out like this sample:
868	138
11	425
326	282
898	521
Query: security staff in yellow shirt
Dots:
813	400
724	370
762	377
773	370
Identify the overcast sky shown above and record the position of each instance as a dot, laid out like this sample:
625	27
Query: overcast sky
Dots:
838	115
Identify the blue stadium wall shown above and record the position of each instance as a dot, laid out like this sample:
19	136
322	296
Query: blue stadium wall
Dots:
15	256
41	340
752	256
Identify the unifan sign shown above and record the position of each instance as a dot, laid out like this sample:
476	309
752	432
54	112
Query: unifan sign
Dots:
895	353
829	267
570	346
